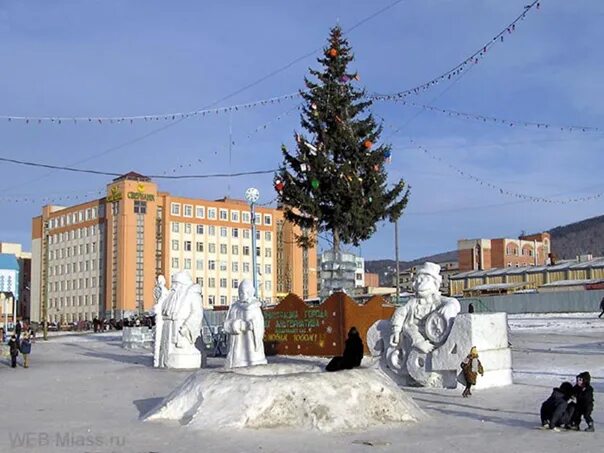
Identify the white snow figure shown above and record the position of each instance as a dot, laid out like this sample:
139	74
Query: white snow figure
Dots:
245	325
160	292
421	325
182	315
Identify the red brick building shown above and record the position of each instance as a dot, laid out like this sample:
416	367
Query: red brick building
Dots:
481	254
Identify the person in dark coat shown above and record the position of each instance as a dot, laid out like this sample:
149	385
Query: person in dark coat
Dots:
18	328
556	410
353	353
13	345
471	308
601	307
584	393
470	368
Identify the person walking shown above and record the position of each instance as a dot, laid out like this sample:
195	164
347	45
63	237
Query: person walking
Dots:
18	328
471	367
601	307
13	345
25	348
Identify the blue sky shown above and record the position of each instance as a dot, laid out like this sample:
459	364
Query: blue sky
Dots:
113	58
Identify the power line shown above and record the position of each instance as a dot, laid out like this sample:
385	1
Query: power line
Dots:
105	173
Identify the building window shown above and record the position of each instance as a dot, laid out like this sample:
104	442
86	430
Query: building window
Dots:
187	263
199	229
199	281
268	286
212	230
199	246
223	300
211	213
199	265
175	244
223	265
234	216
235	232
235	249
223	249
212	282
258	219
212	248
246	250
267	269
200	212
223	232
211	300
175	209
268	252
223	282
188	210
235	266
175	263
267	219
245	217
246	267
140	207
235	283
211	265
175	227
187	246
187	228
246	234
267	235
224	214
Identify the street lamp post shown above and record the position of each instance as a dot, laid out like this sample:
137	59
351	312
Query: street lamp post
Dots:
252	195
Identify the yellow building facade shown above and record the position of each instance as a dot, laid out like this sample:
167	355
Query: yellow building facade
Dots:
101	258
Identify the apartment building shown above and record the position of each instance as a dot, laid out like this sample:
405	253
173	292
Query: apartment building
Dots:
101	258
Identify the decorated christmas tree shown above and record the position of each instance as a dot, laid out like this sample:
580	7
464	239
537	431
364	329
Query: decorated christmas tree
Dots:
336	180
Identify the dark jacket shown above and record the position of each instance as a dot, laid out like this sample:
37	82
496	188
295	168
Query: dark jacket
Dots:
584	395
13	344
353	352
18	328
554	408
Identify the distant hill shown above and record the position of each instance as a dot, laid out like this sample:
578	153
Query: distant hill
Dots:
568	241
579	238
387	268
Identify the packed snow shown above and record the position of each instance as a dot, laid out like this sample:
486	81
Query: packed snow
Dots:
87	388
288	395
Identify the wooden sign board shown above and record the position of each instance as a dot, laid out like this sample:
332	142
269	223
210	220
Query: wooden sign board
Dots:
294	328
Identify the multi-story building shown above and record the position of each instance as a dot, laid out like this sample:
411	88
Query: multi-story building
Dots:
482	254
101	258
359	275
20	285
447	269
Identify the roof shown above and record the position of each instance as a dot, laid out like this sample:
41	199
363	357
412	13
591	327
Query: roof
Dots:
132	176
572	282
498	286
8	261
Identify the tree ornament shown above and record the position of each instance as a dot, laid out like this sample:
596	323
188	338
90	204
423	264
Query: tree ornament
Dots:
279	185
314	183
376	167
344	78
333	53
303	167
313	106
367	144
370	199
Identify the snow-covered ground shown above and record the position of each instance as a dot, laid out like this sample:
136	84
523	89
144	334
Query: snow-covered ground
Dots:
84	393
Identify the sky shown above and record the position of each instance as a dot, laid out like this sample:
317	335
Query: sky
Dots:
115	58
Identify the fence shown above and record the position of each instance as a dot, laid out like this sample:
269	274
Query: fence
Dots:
551	302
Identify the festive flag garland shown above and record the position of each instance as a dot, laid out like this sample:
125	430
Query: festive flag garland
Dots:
473	59
507	122
153	117
501	190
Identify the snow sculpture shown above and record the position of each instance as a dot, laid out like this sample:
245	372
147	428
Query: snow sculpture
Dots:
420	326
245	325
160	292
182	315
429	339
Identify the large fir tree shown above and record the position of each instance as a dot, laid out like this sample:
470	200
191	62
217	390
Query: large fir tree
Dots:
336	180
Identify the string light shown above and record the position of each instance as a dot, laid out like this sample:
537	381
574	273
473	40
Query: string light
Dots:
465	64
501	121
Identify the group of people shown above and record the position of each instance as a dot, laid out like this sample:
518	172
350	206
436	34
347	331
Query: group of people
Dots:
19	343
568	405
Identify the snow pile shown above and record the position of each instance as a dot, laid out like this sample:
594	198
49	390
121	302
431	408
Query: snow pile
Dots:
288	395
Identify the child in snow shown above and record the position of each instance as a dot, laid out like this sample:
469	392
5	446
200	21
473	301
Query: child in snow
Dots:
584	393
556	410
471	366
